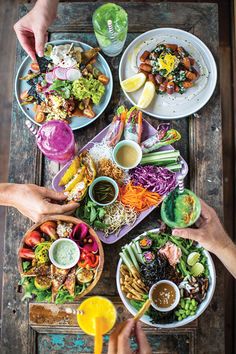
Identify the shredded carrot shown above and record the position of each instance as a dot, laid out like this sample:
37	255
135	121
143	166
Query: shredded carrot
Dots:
138	197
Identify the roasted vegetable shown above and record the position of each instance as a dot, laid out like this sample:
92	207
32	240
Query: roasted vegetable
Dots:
42	282
33	238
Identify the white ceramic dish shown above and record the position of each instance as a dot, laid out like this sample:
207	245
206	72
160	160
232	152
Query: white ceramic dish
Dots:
128	143
172	106
202	307
52	249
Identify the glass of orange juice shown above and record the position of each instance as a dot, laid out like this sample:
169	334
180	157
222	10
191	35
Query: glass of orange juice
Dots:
96	316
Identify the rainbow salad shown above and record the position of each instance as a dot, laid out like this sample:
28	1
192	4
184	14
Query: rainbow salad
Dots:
64	83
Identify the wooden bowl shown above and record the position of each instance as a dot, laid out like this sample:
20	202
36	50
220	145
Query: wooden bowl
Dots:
75	221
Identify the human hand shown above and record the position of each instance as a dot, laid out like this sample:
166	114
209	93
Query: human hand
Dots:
119	339
210	232
31	30
37	202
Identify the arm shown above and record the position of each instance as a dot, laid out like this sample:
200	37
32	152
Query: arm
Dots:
33	201
31	30
212	236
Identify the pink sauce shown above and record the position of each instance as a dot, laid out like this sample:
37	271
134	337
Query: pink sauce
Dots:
56	141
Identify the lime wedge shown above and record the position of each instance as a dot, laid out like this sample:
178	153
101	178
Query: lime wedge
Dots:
147	95
193	258
197	269
133	83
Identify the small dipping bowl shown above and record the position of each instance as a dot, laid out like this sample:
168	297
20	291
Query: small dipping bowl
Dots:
100	179
60	252
130	145
175	289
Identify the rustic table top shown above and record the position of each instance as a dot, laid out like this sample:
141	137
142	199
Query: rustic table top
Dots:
46	328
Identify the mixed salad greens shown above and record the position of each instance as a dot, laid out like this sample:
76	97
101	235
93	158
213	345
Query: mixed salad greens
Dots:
157	255
64	83
42	280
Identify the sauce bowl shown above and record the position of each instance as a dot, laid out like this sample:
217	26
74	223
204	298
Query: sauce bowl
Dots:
64	251
132	144
177	296
105	179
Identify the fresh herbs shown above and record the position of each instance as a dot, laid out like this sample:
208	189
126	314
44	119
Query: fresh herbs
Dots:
62	87
92	214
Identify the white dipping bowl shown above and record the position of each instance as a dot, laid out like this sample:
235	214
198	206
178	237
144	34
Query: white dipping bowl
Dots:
177	296
52	251
128	143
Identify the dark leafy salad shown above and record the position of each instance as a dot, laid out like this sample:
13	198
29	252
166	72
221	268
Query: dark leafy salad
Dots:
45	282
155	256
64	83
170	68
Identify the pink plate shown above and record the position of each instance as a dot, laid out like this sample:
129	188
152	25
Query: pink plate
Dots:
148	130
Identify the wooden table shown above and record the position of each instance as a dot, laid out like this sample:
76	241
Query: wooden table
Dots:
48	328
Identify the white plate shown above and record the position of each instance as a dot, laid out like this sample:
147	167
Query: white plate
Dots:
201	308
172	106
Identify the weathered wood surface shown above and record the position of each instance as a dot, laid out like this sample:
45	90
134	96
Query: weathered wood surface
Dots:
200	146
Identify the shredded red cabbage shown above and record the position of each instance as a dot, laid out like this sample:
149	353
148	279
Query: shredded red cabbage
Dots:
154	179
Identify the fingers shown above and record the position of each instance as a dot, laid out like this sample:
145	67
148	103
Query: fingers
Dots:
112	346
62	209
124	335
143	345
206	210
39	42
49	193
192	234
27	42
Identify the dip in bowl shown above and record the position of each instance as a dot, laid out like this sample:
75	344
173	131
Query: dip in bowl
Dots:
64	253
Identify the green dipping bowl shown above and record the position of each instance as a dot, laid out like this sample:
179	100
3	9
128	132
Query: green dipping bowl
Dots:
180	210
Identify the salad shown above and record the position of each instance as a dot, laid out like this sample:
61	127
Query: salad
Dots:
157	255
41	279
64	83
168	68
140	188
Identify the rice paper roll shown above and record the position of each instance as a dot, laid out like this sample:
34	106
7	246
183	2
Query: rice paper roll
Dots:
134	126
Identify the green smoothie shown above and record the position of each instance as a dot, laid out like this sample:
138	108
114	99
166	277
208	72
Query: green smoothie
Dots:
180	210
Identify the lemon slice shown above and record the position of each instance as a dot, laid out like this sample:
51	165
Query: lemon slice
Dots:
147	95
133	83
193	258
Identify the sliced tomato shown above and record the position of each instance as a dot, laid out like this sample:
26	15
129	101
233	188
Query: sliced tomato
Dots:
40	117
33	238
34	66
26	253
42	283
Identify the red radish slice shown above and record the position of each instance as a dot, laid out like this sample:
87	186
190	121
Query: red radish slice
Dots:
49	77
60	73
73	74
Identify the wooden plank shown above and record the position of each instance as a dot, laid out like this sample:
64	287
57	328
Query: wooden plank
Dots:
191	17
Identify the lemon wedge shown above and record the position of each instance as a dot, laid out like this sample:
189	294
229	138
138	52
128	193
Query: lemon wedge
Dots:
147	95
133	83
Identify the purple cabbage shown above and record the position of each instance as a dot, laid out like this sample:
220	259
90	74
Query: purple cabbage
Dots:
155	179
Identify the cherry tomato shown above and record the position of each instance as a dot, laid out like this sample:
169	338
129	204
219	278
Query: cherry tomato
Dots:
24	95
26	253
40	117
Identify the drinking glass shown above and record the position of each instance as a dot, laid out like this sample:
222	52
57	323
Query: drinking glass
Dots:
110	23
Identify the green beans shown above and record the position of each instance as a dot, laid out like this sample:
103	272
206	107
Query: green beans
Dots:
187	307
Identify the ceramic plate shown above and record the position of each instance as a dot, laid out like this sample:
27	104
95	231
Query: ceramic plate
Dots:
148	130
76	122
202	307
172	106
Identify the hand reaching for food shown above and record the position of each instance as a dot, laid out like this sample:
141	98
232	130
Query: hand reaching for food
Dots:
212	236
120	338
31	30
33	201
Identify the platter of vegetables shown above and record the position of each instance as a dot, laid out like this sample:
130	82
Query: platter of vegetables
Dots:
141	162
41	280
72	82
156	256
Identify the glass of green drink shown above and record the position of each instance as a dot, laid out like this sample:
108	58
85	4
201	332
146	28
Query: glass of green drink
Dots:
180	209
110	23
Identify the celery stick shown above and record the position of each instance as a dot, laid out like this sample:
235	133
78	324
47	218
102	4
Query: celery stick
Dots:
132	256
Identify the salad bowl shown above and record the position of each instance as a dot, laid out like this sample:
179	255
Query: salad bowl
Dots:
40	278
178	104
173	322
76	122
